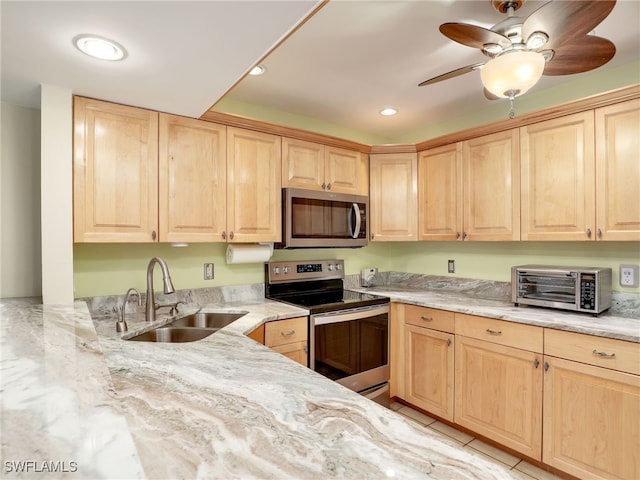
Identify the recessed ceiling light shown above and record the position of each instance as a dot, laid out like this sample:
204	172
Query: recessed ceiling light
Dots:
388	111
99	47
257	70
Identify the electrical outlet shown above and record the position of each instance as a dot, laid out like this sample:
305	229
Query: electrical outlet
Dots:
629	275
208	271
451	267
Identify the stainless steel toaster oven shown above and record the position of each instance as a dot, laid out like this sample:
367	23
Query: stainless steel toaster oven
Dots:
580	289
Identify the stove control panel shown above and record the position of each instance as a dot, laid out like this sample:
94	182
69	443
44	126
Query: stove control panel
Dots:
278	272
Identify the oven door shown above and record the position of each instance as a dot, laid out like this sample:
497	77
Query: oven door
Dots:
351	346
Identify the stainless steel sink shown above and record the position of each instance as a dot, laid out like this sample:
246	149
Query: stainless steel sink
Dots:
215	320
172	334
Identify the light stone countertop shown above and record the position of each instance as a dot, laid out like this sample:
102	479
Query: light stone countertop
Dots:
222	407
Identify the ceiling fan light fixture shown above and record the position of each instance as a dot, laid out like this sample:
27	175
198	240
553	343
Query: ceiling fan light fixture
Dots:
492	49
515	71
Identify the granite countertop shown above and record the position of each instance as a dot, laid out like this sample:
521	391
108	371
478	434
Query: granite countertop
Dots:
77	397
493	300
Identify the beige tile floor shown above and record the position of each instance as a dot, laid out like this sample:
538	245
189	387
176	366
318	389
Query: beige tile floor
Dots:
467	441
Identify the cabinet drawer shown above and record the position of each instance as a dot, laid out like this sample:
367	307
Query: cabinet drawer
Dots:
525	337
285	331
599	351
429	317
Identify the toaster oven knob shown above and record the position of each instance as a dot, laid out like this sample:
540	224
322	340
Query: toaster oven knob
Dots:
286	270
330	267
338	267
276	270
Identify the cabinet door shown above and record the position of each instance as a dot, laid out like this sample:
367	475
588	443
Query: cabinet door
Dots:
591	421
302	164
491	166
558	184
296	351
115	173
253	186
393	199
193	181
499	394
440	193
429	370
346	171
618	171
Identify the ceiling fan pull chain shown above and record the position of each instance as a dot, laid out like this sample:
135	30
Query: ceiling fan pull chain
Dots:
512	112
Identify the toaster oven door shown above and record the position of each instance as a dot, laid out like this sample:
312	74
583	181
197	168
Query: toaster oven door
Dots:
558	290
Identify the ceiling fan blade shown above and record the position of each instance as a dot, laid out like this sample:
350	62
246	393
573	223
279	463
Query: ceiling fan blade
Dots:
580	55
452	74
472	35
564	20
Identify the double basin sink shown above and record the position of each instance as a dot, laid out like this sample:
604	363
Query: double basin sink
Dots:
188	328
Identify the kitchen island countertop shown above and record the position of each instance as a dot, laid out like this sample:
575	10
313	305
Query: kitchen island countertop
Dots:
75	393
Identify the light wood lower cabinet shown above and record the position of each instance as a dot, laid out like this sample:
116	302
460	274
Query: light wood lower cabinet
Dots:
592	406
288	337
429	360
498	387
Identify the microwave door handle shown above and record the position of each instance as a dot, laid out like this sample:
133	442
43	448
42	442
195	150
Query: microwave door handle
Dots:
355	231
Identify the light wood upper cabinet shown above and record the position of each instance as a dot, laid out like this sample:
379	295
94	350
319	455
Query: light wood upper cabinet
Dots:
440	193
115	173
193	180
471	190
253	186
592	406
558	184
393	198
491	200
318	167
618	171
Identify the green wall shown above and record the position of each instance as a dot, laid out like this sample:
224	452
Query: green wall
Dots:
112	269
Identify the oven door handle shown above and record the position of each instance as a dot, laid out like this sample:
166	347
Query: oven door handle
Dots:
346	316
354	231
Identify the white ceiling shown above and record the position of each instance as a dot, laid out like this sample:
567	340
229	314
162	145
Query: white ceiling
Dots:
342	66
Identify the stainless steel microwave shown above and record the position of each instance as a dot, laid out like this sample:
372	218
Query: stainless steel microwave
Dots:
581	289
314	219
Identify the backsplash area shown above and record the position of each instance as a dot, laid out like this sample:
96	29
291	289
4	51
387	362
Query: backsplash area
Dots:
623	304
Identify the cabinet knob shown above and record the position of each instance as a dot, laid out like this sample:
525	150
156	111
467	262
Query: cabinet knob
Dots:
328	186
457	235
449	342
324	186
599	233
153	235
464	235
536	363
224	235
588	233
231	236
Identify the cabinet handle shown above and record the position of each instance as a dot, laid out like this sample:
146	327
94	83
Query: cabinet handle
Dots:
287	334
448	342
588	233
427	319
457	235
599	233
604	354
490	331
546	366
231	236
153	235
328	186
224	235
373	236
464	235
536	363
324	186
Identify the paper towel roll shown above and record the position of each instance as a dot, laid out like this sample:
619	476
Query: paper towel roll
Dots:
249	253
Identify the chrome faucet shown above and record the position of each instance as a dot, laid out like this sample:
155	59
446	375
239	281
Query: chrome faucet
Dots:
121	325
150	309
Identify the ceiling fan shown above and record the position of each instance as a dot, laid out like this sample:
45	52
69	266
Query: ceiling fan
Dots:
553	40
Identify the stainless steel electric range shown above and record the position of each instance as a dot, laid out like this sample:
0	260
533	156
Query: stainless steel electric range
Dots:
348	330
